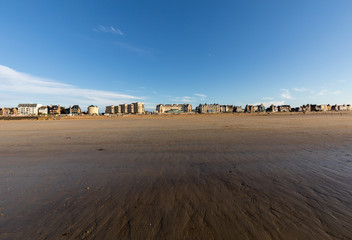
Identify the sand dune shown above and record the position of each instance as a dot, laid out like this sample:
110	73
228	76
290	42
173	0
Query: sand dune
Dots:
177	177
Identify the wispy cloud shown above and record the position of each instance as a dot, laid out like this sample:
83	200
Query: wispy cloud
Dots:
325	91
337	92
302	89
29	87
322	92
110	29
196	98
201	96
267	98
126	46
268	104
285	94
133	49
184	99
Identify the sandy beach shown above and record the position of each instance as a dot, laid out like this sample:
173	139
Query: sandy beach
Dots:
177	177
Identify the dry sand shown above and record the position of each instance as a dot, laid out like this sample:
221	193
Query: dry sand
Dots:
177	177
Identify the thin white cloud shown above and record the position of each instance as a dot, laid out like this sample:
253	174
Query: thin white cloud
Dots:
26	86
196	98
302	89
285	94
184	99
267	98
268	104
325	91
110	29
337	92
322	92
202	97
133	49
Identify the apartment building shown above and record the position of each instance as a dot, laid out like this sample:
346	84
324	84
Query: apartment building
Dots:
117	109
110	109
139	108
226	108
174	108
284	108
28	109
133	108
208	108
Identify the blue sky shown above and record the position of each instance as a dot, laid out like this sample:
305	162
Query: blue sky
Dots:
226	52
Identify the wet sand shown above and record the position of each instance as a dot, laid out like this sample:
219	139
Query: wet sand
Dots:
177	177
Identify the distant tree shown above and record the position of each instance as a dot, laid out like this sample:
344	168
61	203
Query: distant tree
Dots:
62	110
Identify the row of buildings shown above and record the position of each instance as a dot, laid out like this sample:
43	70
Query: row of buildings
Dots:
31	109
216	108
303	108
174	108
132	108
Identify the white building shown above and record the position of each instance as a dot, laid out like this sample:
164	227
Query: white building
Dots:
28	109
43	110
138	108
93	110
173	108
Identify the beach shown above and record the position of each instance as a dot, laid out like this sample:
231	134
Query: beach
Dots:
211	176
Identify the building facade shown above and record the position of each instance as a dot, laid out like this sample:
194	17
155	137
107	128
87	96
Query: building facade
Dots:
110	109
54	110
208	108
43	110
28	109
284	108
93	110
13	111
133	108
238	109
124	108
130	108
117	109
174	108
5	111
139	108
226	108
73	111
250	108
272	108
261	108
